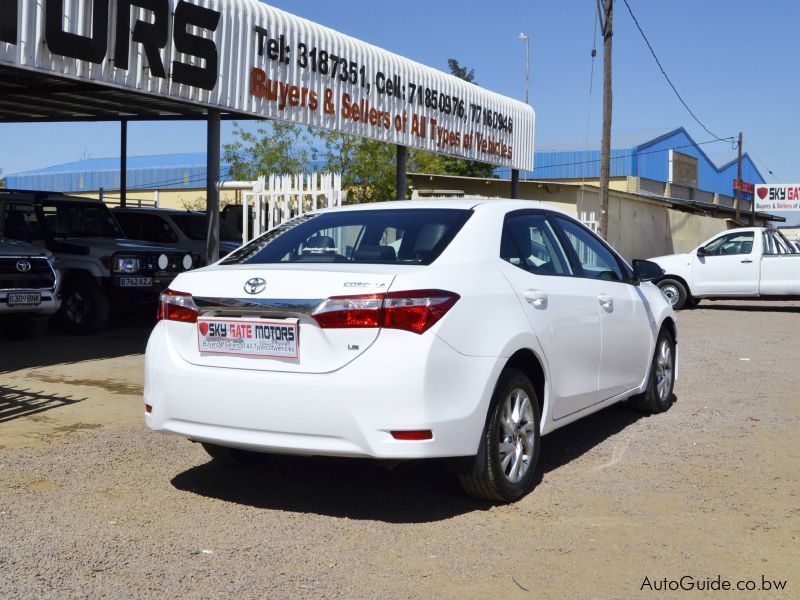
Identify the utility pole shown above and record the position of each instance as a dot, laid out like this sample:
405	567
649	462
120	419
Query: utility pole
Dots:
605	12
739	181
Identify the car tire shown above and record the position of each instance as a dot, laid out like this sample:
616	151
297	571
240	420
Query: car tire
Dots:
24	327
501	472
232	456
658	396
675	293
84	306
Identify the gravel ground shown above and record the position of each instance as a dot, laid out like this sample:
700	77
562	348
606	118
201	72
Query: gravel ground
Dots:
93	505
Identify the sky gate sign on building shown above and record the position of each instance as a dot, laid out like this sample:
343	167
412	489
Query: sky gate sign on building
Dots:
246	57
778	196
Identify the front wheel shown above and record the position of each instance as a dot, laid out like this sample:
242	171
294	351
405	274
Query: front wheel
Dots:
84	308
675	293
658	396
505	467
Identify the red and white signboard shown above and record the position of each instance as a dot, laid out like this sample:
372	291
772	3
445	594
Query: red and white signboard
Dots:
778	196
248	338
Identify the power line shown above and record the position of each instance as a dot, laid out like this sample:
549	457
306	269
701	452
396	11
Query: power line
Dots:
763	164
669	81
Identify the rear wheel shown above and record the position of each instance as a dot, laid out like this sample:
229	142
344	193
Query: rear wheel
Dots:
658	396
505	467
675	293
234	456
84	308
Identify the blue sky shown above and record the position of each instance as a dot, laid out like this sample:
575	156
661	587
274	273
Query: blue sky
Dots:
734	62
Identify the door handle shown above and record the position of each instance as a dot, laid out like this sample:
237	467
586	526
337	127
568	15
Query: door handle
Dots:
747	260
605	300
537	298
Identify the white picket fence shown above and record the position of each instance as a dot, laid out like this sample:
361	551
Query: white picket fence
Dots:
278	198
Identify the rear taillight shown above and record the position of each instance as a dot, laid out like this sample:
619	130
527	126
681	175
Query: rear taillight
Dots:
177	306
350	311
415	310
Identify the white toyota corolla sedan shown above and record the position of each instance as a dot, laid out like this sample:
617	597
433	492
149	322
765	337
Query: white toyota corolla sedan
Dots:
408	330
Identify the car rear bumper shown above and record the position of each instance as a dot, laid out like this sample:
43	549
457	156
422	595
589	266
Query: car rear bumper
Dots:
348	412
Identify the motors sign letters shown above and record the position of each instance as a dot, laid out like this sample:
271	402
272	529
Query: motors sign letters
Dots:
275	65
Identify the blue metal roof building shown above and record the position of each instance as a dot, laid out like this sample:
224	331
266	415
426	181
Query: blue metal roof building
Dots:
161	172
643	155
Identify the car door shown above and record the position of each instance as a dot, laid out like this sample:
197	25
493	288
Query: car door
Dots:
727	266
563	315
780	266
627	322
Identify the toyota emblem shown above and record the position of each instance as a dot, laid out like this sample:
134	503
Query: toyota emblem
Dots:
255	285
23	266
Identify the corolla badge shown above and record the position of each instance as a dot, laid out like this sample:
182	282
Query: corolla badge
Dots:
23	266
255	285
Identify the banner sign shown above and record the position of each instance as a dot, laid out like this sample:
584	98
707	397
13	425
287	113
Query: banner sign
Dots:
747	188
778	196
247	57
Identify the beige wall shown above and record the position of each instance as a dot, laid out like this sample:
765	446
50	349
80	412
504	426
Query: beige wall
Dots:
641	228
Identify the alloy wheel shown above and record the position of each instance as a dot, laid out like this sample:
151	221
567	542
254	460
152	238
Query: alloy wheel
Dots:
516	435
664	370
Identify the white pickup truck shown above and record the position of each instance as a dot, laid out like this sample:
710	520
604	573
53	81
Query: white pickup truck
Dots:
752	262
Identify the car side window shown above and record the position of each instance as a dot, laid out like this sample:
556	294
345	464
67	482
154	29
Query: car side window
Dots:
131	225
596	261
529	242
156	229
20	223
732	243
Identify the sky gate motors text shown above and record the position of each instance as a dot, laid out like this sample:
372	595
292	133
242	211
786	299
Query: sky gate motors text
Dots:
152	35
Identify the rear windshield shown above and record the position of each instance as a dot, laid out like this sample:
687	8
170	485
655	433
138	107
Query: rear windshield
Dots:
402	236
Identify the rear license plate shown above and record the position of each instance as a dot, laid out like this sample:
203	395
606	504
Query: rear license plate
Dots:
25	299
135	281
261	337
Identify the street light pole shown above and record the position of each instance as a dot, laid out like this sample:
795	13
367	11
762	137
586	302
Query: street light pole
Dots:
527	41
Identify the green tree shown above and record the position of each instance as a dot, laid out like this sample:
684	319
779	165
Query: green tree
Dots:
367	166
275	147
461	72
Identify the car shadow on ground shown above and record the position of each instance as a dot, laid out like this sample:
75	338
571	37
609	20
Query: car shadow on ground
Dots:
17	402
760	307
121	338
413	492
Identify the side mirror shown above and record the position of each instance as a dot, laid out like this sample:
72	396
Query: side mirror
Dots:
647	270
701	251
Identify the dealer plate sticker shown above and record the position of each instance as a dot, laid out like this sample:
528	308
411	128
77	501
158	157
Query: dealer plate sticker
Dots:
261	337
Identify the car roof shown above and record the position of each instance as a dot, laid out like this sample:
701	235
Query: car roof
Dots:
450	203
156	210
34	197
